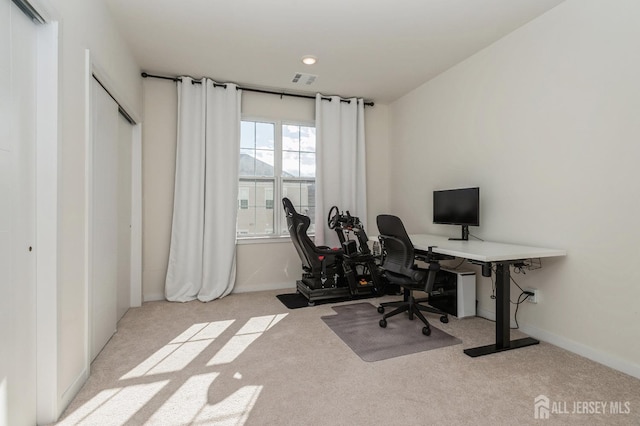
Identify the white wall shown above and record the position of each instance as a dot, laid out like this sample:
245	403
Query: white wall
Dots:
260	266
158	173
546	122
83	25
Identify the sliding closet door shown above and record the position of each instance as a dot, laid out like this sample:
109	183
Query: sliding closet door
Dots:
104	219
18	50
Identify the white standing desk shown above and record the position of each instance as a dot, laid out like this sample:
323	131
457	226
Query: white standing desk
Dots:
502	255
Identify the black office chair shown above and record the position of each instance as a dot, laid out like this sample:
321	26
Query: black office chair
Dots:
400	268
321	265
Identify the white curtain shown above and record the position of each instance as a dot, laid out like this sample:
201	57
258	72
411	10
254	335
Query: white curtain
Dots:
340	163
202	257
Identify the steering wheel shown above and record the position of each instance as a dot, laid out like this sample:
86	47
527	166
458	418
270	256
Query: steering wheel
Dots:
332	219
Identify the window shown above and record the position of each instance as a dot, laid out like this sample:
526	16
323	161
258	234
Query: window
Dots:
276	160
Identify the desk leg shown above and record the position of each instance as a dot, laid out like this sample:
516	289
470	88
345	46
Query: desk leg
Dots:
503	311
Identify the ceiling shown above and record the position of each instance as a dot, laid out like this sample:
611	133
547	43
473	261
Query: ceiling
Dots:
376	49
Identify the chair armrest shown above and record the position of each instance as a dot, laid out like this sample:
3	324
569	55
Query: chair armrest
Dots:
434	267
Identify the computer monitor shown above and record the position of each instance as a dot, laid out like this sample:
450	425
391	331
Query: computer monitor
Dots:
457	207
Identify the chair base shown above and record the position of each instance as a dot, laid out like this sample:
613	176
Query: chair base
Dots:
413	307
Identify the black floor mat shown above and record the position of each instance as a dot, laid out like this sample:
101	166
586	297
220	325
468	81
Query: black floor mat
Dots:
297	300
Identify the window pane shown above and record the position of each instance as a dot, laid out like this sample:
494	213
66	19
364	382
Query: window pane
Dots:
246	211
246	221
307	165
247	162
291	190
264	221
265	163
268	198
246	193
299	146
308	193
308	139
291	138
265	135
247	134
264	216
290	164
302	195
254	217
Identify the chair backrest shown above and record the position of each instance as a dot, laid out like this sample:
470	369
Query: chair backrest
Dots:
298	225
399	253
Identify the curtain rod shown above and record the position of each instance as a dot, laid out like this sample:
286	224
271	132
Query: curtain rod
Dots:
250	89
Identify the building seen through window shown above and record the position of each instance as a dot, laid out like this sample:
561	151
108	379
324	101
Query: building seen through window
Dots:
276	160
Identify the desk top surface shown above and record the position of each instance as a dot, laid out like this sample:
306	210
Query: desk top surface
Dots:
483	251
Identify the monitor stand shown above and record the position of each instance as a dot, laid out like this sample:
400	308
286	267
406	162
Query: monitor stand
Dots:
465	234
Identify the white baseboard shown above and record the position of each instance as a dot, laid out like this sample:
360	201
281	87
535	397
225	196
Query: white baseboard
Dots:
578	348
154	297
72	391
491	316
581	349
263	287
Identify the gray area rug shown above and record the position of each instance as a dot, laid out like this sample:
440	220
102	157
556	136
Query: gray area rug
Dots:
357	326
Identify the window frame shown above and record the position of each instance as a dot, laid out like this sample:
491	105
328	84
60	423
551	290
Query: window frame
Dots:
278	234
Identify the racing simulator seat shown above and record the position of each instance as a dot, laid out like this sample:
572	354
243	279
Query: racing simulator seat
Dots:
322	272
399	268
333	273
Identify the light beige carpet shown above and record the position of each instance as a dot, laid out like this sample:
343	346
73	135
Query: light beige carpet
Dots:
247	359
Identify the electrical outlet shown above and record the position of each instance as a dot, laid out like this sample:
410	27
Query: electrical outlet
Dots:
534	298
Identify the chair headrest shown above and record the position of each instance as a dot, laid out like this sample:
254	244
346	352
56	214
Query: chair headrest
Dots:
288	207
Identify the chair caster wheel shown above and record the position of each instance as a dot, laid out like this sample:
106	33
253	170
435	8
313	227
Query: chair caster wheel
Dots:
380	310
311	303
383	323
426	331
444	319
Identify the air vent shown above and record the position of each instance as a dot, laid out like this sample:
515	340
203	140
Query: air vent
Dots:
304	79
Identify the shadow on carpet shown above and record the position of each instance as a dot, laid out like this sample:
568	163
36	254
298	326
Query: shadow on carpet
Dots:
357	326
297	300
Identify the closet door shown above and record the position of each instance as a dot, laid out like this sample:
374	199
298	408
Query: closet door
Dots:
104	219
125	137
18	62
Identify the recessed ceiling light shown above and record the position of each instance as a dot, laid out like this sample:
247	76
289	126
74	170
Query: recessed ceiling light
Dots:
309	60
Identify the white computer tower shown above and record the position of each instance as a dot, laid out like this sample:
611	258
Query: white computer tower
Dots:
455	292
